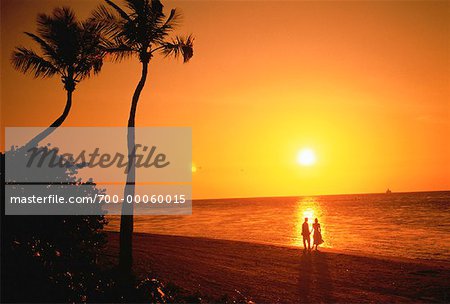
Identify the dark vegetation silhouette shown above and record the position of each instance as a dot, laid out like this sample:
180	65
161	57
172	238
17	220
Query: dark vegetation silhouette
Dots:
49	258
140	29
69	48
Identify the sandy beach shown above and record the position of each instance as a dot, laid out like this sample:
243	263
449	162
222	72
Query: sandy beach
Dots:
275	274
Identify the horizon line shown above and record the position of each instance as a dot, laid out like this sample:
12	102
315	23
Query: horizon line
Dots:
335	194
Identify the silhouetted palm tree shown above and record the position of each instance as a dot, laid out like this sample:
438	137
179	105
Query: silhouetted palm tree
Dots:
141	29
69	48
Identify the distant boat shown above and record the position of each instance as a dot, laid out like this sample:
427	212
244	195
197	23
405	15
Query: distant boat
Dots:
388	191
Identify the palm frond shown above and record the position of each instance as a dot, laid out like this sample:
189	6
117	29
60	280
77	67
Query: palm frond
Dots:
110	22
119	52
120	11
136	5
46	47
157	8
25	60
163	30
61	31
88	66
159	25
51	27
173	19
92	50
179	46
64	14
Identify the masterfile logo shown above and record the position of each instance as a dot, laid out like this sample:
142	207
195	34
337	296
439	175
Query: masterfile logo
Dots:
88	171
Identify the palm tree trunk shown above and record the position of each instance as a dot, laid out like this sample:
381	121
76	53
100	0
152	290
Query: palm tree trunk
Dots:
126	219
58	122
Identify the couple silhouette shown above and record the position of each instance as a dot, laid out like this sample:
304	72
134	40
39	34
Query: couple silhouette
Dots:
306	233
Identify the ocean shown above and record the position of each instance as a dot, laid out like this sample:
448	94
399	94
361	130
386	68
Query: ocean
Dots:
411	225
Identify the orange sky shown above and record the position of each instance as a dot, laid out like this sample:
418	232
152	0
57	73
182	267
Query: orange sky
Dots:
364	84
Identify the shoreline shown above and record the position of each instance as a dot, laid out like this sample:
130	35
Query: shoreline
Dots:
272	273
429	262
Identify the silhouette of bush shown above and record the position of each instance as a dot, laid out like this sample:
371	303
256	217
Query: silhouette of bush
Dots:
49	258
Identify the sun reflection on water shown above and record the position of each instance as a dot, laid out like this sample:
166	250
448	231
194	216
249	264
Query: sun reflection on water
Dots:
310	208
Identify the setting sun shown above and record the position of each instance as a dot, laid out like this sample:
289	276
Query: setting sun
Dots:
306	157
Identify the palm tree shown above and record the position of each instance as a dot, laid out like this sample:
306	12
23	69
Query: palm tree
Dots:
69	48
140	29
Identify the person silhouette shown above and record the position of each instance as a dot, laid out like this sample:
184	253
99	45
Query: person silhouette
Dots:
317	233
306	234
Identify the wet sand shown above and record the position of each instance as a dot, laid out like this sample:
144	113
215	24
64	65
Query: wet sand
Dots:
275	274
